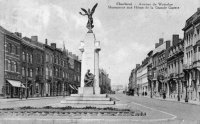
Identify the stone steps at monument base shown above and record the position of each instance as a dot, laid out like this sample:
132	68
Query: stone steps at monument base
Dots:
94	95
88	102
88	98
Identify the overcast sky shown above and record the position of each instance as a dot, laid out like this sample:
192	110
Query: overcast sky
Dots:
126	35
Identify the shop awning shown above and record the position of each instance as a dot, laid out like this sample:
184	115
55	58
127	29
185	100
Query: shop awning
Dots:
71	86
16	83
75	87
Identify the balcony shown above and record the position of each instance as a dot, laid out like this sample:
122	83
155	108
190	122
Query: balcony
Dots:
173	75
185	66
38	78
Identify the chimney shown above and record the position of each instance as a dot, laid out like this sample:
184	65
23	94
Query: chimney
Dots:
18	34
168	44
137	65
53	45
161	41
156	45
175	39
46	41
34	38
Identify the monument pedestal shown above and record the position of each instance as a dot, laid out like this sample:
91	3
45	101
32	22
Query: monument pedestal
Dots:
86	96
88	91
90	61
85	91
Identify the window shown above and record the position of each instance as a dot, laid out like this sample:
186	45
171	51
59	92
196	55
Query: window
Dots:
42	71
13	48
50	72
17	67
47	57
38	58
6	46
31	72
27	72
27	57
42	59
14	66
11	66
23	71
9	48
7	61
36	71
31	58
16	50
47	71
56	72
23	56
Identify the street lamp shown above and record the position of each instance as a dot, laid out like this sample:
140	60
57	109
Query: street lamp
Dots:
186	85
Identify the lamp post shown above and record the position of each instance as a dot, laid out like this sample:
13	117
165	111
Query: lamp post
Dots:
63	89
162	80
186	85
151	82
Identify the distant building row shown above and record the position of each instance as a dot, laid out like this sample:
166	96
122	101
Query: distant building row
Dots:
29	68
104	81
172	69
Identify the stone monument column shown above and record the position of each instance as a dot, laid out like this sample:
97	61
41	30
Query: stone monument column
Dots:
81	48
96	61
90	58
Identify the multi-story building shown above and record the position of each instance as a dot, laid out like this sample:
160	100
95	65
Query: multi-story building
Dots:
104	81
27	66
142	81
144	77
38	62
149	73
77	70
132	82
159	66
139	79
49	60
31	69
162	68
10	76
57	71
192	56
175	86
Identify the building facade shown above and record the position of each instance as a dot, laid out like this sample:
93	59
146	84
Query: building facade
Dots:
27	67
11	79
132	86
192	56
159	67
104	81
33	69
175	86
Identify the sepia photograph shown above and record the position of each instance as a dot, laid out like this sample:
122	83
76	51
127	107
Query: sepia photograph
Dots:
99	62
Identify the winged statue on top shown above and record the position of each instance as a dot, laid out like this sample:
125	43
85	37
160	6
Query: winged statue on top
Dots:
89	13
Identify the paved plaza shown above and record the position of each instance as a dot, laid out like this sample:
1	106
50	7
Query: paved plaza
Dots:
157	111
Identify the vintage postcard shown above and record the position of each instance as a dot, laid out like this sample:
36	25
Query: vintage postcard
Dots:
100	61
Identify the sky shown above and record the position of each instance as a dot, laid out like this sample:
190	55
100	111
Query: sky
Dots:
126	36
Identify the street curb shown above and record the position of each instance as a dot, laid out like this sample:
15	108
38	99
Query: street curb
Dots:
12	100
174	101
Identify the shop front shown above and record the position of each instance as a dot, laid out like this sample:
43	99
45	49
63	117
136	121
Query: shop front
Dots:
14	89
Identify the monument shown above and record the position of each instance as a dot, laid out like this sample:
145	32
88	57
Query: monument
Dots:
90	57
89	90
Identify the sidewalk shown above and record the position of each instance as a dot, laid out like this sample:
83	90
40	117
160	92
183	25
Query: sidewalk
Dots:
24	99
175	100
